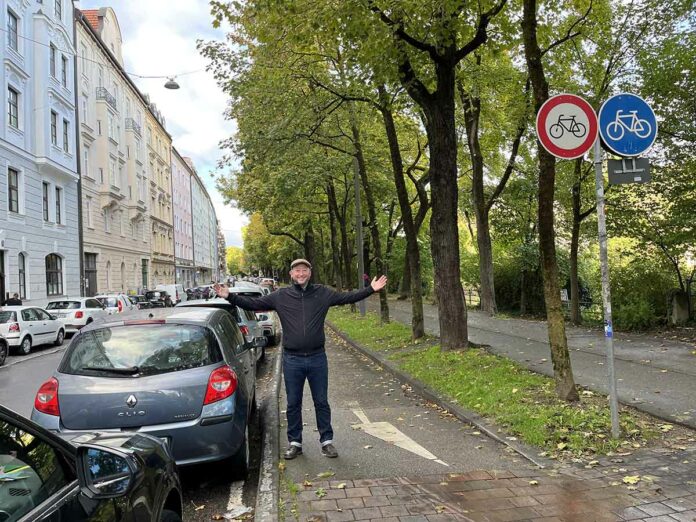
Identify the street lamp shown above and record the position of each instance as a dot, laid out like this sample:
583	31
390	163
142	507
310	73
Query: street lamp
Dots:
171	84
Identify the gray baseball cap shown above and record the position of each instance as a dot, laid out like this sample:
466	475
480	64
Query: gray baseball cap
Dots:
300	262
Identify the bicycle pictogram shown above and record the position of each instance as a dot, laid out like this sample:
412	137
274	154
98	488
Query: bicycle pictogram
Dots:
569	124
616	129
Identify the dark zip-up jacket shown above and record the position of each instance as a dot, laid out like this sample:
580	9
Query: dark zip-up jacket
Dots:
301	312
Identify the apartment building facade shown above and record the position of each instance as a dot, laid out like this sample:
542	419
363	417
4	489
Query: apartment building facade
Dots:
183	220
39	225
115	193
204	231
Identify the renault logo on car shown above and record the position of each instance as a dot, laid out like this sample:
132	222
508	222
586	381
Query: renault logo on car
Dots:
131	401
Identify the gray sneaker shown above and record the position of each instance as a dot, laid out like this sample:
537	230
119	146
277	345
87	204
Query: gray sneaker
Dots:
329	451
292	452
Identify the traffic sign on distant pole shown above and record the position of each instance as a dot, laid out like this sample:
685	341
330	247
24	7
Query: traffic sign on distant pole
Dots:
566	126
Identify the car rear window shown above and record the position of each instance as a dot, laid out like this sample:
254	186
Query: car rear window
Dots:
109	302
144	349
7	317
63	305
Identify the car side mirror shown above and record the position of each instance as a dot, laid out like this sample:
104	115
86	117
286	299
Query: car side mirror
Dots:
105	473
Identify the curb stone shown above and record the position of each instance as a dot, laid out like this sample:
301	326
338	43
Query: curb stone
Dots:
267	498
526	451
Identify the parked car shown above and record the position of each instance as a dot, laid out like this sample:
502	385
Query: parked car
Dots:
4	350
246	319
159	299
180	374
141	301
176	292
26	326
76	313
270	324
47	478
115	303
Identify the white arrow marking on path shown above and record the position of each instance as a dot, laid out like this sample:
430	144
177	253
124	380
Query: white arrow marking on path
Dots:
389	433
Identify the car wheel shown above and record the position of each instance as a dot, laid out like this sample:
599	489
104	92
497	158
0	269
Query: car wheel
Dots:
240	460
25	347
169	516
3	353
60	338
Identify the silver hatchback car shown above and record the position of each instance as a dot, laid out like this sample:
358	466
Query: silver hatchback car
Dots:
184	375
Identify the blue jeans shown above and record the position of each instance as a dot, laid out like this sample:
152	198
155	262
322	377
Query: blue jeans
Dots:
315	369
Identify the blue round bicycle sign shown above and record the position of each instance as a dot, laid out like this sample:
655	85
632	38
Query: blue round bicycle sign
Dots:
627	125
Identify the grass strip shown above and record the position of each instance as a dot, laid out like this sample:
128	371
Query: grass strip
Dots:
519	400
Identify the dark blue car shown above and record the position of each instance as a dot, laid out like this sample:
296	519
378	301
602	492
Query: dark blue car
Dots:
115	477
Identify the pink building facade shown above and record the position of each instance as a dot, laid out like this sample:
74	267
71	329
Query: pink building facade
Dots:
183	222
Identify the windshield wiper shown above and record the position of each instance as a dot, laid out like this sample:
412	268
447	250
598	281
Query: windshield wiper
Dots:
131	370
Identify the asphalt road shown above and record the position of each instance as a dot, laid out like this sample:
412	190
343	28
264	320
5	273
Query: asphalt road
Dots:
367	405
208	490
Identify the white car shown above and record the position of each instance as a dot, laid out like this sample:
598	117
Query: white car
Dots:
27	326
76	313
271	326
115	303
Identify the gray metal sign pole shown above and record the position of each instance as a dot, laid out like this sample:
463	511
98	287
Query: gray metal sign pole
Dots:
358	231
606	291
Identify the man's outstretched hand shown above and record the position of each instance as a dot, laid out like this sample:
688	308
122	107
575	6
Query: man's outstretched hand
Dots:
221	290
378	284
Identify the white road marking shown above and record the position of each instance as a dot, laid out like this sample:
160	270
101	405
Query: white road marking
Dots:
235	499
390	434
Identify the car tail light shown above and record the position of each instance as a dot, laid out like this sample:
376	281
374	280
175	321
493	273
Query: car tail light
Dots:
120	306
14	327
244	328
79	314
221	384
47	398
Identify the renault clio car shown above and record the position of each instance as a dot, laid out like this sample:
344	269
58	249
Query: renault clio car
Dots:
180	374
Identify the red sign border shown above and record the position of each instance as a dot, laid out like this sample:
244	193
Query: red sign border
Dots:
546	141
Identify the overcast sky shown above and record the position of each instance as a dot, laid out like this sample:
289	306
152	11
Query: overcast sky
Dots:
159	38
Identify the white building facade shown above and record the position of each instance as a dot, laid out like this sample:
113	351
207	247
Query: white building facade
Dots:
204	231
39	225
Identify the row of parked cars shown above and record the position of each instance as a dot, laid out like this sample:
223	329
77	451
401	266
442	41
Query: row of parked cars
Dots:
135	394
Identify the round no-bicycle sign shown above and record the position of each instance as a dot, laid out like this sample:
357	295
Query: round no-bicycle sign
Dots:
566	126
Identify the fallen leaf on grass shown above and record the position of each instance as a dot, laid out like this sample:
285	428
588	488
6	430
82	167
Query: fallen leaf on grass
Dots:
665	427
561	445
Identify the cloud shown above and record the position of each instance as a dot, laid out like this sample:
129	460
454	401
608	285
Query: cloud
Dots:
159	39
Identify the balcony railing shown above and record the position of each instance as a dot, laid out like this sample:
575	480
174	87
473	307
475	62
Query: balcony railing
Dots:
103	94
131	124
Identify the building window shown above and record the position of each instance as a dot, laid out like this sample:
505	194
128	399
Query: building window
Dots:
59	193
144	272
66	133
64	71
13	190
13	107
88	211
44	185
85	161
22	263
12	33
59	9
54	128
54	275
53	60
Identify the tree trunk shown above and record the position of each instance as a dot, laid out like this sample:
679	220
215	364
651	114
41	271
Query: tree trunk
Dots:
472	113
444	231
523	293
412	252
372	214
310	251
335	257
575	315
563	372
346	252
